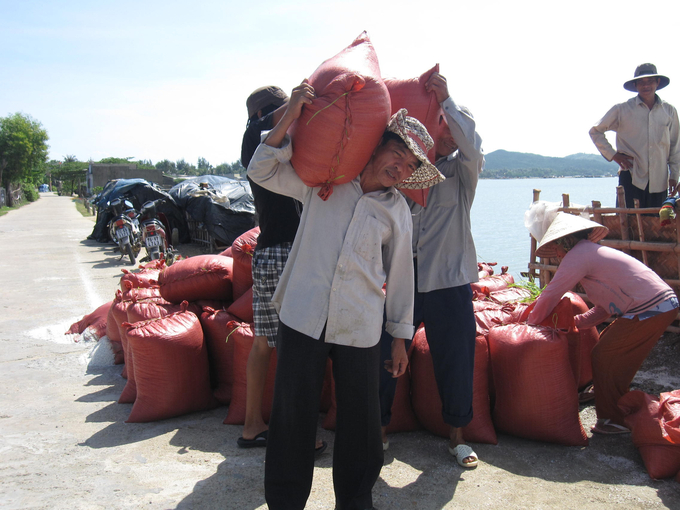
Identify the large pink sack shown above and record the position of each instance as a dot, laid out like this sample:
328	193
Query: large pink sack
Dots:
242	250
536	395
196	278
335	136
171	367
422	105
216	327
427	404
644	417
242	336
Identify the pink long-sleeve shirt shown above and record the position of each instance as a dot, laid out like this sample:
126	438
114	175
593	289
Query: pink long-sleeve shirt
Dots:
616	283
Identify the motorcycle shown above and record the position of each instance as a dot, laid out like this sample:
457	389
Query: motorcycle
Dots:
124	229
154	229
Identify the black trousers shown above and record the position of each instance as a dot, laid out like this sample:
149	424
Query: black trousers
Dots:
357	450
632	192
450	329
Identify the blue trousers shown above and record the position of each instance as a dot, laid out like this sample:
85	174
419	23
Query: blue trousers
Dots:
357	449
450	329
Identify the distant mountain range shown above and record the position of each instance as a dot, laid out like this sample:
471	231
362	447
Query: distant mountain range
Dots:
503	164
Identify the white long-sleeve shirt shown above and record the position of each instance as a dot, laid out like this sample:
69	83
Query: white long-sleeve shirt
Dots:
651	137
345	249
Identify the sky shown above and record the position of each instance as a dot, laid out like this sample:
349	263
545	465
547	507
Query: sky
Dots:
168	79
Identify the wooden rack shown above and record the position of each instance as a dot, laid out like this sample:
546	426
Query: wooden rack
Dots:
635	231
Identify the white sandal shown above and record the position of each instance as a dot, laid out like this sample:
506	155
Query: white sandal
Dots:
462	452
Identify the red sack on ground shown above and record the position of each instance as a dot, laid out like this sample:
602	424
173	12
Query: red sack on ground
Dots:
215	325
493	283
403	418
142	311
643	416
171	368
489	314
199	277
670	416
150	294
242	308
510	295
146	277
335	136
227	252
536	394
427	404
422	105
241	334
96	322
242	250
581	342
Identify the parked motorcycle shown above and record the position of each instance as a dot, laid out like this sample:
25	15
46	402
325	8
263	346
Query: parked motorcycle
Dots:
124	229
154	227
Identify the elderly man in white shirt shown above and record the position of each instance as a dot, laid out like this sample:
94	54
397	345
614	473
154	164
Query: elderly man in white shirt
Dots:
647	140
330	303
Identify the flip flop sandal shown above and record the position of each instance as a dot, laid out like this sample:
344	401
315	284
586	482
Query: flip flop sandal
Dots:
258	441
463	451
615	428
320	449
586	395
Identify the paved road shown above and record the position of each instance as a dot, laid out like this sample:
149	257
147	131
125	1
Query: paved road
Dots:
64	443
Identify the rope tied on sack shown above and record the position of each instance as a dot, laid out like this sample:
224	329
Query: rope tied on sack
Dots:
327	187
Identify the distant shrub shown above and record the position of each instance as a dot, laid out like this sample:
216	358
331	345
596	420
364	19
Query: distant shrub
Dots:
30	192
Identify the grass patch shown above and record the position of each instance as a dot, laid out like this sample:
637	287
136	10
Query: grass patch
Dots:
4	210
82	208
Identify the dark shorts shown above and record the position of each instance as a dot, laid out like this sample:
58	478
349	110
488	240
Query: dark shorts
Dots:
268	264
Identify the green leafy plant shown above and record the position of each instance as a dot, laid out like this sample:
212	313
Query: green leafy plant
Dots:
530	285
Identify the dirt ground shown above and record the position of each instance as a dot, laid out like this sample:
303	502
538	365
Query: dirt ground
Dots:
64	442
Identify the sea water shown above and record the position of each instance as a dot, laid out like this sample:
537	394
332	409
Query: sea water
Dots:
498	213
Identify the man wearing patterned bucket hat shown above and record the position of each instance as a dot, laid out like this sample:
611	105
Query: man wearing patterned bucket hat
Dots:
330	303
642	304
647	140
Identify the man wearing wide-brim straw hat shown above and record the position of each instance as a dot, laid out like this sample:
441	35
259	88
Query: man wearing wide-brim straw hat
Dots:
618	285
647	140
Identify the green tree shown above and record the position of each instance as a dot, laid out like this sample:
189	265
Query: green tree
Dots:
204	167
23	148
167	167
70	172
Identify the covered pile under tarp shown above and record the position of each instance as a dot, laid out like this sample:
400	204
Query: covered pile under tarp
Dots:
225	206
137	191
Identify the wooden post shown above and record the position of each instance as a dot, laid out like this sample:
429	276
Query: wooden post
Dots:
623	217
534	243
641	232
597	215
565	200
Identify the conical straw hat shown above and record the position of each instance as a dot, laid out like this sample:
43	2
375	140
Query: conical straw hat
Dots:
565	224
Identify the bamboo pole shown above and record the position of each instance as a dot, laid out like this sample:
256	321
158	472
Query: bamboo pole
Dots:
623	218
641	231
597	214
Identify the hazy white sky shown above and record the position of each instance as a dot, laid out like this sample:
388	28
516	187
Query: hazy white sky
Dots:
169	79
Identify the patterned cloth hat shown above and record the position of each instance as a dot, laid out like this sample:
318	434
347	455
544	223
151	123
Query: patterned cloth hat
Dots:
419	142
563	225
646	71
264	96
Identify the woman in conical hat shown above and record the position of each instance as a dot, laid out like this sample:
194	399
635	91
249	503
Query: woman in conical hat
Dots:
618	285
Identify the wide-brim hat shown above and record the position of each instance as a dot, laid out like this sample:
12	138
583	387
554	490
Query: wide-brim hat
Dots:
419	142
646	71
264	96
563	225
